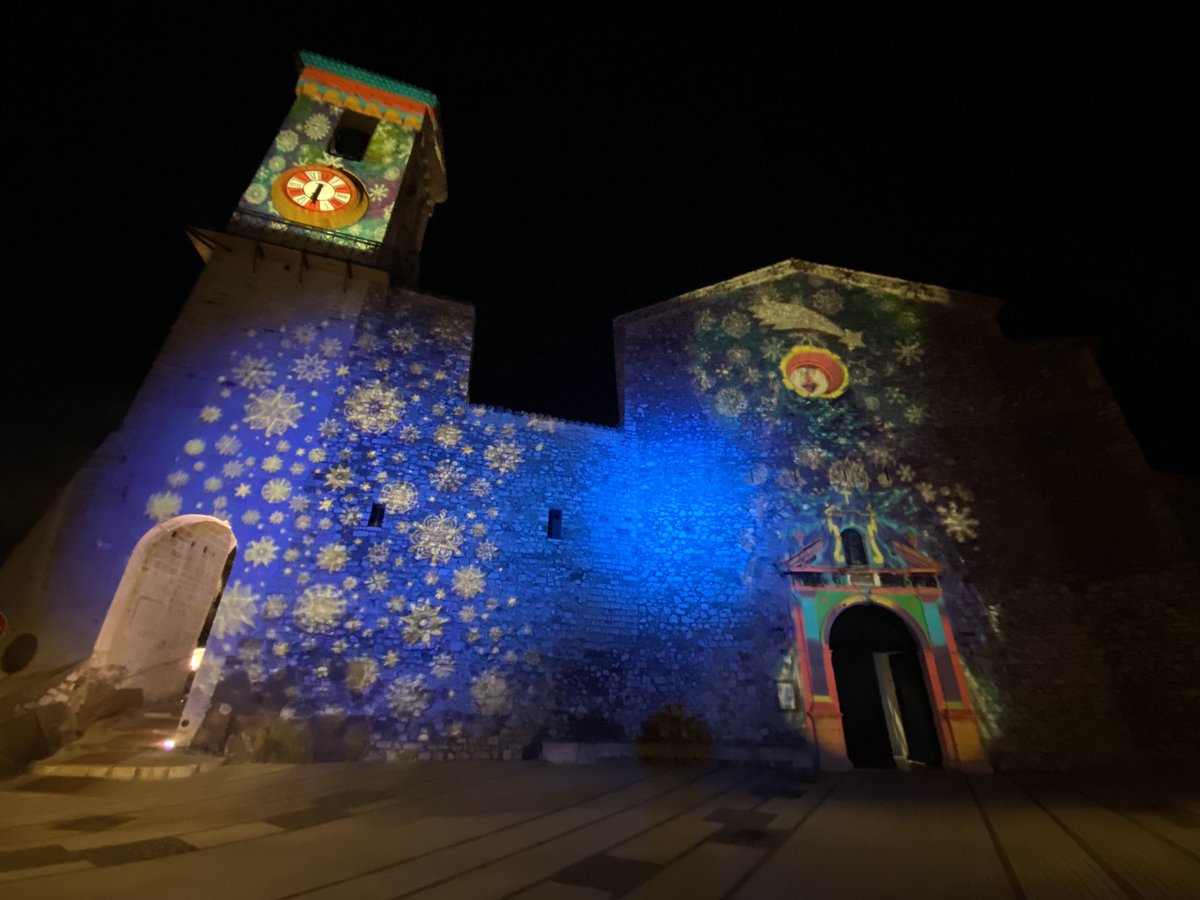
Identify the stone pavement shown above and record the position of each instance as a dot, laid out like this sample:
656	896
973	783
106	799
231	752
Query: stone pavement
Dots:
536	831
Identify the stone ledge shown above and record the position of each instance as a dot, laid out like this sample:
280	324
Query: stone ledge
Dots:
572	753
131	770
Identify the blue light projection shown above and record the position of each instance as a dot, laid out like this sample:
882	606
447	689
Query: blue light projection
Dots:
457	621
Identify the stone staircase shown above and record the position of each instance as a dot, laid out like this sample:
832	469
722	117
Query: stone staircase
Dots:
129	746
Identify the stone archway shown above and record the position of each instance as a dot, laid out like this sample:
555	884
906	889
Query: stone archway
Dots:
887	713
164	606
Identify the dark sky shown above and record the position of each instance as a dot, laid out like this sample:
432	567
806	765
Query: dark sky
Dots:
599	166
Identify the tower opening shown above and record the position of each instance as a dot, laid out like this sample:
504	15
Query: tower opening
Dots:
856	550
886	713
352	135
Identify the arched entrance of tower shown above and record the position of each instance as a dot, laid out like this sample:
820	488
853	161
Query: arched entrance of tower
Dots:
163	610
887	716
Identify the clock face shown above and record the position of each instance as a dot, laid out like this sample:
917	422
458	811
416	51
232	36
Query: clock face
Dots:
321	196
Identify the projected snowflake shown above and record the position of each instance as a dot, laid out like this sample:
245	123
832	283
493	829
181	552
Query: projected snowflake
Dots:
320	609
333	557
262	552
338	477
469	582
235	613
447	476
163	505
398	497
272	412
310	367
958	522
848	475
491	693
447	435
423	623
361	673
407	696
253	372
374	407
504	456
277	490
436	539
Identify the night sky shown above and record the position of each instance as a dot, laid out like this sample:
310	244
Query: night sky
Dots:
598	166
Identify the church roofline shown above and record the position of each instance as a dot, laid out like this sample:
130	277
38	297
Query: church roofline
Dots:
910	290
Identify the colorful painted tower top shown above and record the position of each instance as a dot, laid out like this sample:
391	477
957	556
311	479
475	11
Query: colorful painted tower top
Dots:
354	172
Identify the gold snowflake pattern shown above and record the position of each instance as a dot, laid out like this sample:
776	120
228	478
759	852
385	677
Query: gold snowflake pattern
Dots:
235	611
276	490
958	523
398	497
423	623
504	456
262	552
447	476
469	582
163	505
253	372
310	367
272	412
361	673
447	435
407	696
338	477
491	694
374	407
333	557
320	609
436	539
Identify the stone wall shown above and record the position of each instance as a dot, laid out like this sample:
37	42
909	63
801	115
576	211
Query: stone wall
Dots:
396	592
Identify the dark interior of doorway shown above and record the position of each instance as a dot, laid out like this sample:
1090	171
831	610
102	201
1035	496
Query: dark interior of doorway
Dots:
202	639
858	634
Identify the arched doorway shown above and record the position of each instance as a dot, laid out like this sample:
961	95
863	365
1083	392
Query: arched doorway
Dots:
886	713
165	605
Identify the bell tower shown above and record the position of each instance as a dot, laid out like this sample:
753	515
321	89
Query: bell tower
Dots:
354	172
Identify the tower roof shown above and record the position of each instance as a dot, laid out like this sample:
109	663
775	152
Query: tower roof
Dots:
359	89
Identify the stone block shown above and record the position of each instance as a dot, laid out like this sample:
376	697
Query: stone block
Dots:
103	701
58	725
213	732
21	741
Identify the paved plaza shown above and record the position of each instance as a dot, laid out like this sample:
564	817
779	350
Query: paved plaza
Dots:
536	831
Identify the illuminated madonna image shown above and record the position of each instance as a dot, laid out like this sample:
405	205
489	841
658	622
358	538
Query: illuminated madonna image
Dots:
814	372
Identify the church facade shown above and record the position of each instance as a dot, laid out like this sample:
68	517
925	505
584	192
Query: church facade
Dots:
841	521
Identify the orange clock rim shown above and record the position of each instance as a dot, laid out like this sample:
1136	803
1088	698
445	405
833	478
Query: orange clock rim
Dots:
338	218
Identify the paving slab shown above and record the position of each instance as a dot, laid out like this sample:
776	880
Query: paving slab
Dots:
1045	861
708	872
591	831
1141	862
887	835
483	829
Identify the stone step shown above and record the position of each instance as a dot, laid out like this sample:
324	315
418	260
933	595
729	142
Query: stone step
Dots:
135	739
136	725
126	765
153	716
